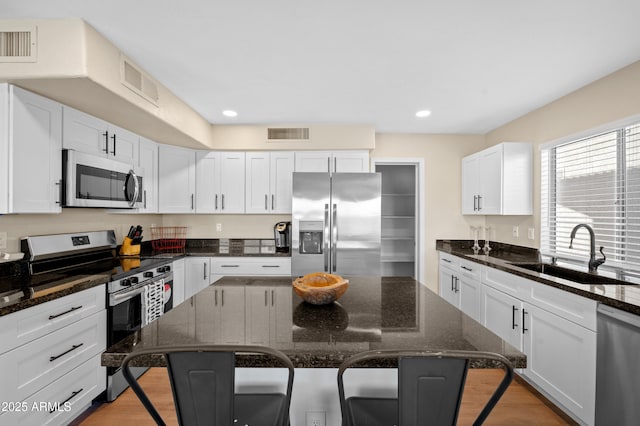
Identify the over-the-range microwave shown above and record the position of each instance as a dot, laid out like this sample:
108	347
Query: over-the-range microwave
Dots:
93	181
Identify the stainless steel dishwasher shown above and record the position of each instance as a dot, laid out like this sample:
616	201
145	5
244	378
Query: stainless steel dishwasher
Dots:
618	367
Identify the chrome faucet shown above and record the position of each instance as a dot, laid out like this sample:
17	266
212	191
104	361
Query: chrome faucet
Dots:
593	262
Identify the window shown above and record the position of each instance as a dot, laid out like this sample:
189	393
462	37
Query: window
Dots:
596	181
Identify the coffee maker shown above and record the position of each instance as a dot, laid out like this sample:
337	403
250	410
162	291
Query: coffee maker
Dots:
282	235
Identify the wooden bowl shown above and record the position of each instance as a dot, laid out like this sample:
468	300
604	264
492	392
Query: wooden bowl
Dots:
319	288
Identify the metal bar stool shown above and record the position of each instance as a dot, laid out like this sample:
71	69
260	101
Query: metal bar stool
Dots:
430	386
202	381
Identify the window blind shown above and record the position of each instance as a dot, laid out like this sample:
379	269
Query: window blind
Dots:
595	181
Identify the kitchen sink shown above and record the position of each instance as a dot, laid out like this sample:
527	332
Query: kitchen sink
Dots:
567	273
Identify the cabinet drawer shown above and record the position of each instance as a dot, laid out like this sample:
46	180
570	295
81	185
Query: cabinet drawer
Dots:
506	282
470	270
64	399
29	368
572	307
251	266
29	324
449	260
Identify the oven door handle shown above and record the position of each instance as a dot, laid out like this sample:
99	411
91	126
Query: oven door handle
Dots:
116	298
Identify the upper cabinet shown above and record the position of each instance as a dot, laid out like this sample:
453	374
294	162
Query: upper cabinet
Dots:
498	180
30	148
220	182
148	161
176	179
332	161
86	133
268	182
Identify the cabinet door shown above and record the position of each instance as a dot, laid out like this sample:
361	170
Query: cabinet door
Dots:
258	303
84	132
470	297
448	285
123	145
490	178
350	162
281	181
177	180
35	160
561	359
148	161
313	161
207	182
470	187
502	314
232	182
281	315
258	195
197	271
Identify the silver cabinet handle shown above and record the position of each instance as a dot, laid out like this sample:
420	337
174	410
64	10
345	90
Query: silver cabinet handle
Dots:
204	271
326	238
335	164
273	303
266	202
215	297
222	297
328	164
222	201
266	300
216	206
273	202
479	205
270	266
475	201
229	266
59	185
192	201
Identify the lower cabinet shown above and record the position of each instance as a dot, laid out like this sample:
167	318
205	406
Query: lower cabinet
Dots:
178	281
561	353
197	275
459	284
268	316
53	376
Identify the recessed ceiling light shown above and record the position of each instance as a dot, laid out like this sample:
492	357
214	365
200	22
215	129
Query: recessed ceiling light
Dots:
424	113
229	113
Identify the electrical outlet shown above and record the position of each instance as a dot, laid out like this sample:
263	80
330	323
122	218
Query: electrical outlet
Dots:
3	240
218	227
516	231
315	418
531	233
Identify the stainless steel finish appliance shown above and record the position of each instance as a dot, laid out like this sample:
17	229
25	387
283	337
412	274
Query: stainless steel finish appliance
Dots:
91	181
618	369
336	223
134	301
139	291
282	236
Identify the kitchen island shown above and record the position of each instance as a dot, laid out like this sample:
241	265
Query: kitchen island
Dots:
374	313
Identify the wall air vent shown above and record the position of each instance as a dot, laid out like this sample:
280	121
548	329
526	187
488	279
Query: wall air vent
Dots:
138	81
282	134
17	44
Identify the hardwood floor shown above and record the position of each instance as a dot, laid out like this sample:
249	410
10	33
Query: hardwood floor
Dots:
518	406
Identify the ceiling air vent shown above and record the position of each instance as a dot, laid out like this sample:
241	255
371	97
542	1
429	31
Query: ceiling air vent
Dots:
138	81
17	44
281	134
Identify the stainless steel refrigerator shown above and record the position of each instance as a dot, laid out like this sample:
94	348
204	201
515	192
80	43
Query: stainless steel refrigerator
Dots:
336	223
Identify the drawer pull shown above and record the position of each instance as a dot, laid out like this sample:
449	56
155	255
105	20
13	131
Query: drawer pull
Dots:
270	266
74	308
446	260
467	269
73	348
229	266
73	395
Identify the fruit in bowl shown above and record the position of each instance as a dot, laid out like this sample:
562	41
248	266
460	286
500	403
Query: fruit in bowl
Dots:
320	288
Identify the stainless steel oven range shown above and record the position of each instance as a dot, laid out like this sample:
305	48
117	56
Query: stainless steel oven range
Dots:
135	300
139	289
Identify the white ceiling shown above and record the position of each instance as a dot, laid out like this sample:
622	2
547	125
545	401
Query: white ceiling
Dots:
476	64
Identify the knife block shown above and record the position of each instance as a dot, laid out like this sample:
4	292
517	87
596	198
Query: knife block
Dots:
127	249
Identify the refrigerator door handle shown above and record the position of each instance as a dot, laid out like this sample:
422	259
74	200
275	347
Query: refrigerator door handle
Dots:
326	238
334	238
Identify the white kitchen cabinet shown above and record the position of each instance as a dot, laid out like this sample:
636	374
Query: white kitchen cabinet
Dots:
220	182
332	161
86	133
177	179
51	353
460	285
268	182
178	267
251	266
498	180
30	148
148	161
555	329
197	275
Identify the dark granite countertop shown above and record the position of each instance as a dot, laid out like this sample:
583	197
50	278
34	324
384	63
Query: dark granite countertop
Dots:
374	313
625	297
